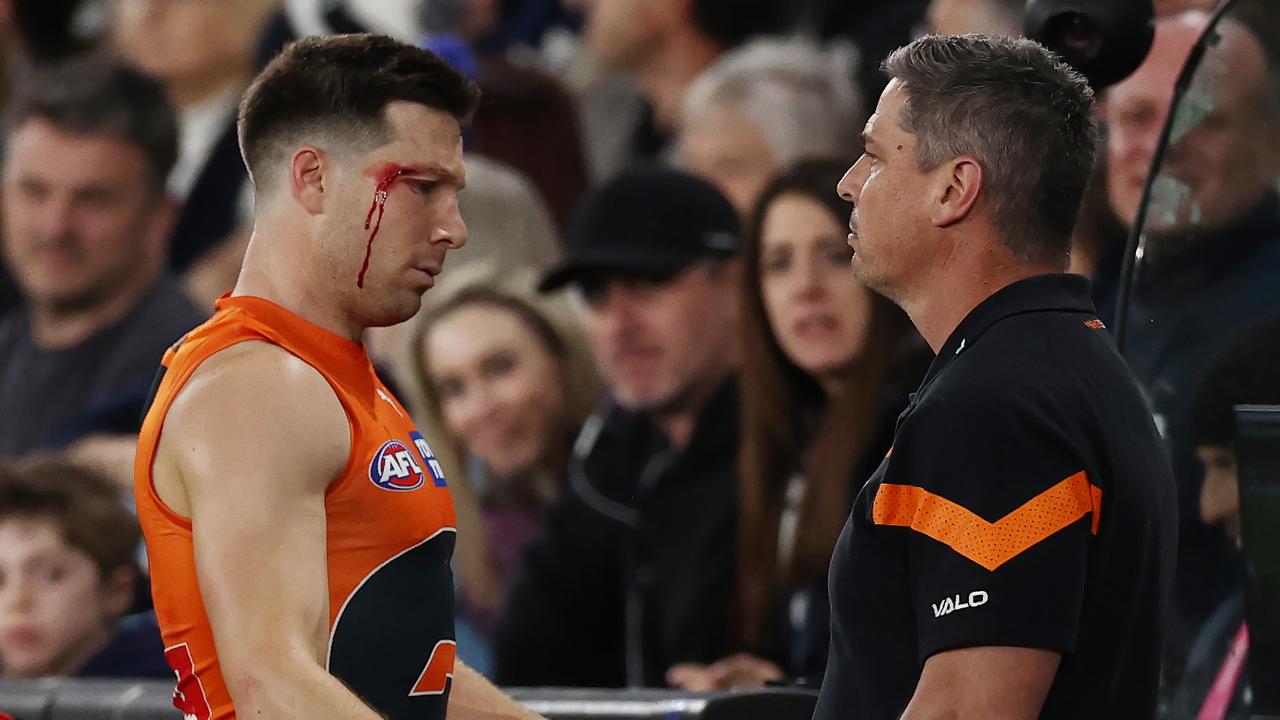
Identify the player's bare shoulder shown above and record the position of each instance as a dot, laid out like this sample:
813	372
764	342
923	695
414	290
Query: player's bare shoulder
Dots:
250	412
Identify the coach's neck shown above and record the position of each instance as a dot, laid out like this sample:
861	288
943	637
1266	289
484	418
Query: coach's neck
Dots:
973	264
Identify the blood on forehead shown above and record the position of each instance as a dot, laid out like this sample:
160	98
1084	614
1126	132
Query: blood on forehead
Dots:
384	175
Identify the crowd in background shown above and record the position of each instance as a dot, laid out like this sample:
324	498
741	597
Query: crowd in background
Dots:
653	382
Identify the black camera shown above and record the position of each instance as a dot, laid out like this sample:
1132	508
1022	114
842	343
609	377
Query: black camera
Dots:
1106	40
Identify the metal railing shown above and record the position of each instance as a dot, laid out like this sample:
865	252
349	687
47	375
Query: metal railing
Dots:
74	699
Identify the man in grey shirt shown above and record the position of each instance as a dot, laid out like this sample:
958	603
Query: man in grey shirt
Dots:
86	225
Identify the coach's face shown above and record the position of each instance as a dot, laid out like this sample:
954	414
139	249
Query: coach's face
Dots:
890	221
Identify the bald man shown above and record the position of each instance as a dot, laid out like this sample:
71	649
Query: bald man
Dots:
1212	257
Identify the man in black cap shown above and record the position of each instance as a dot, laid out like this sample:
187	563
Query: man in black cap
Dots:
634	571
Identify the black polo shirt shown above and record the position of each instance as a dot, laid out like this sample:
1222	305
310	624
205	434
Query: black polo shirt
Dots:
1027	502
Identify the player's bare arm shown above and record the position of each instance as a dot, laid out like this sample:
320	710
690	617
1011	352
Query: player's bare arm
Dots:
475	698
247	452
992	683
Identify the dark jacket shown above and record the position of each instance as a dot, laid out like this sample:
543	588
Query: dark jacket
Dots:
136	651
634	570
1206	663
1185	308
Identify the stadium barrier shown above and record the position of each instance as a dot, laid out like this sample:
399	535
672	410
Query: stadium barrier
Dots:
72	699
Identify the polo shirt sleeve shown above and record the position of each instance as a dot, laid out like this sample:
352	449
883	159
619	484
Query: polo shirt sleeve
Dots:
1000	516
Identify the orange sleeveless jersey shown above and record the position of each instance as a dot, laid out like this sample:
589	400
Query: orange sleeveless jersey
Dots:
390	534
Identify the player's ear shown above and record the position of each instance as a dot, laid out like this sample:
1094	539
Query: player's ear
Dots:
958	185
306	178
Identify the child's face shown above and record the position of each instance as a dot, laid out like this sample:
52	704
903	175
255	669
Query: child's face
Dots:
1220	493
55	611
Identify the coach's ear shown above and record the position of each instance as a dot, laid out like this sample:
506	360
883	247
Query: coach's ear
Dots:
306	178
960	182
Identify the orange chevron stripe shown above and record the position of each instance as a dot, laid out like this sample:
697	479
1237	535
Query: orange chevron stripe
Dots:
989	544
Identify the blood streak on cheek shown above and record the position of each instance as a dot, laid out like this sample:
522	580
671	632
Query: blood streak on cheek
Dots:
384	176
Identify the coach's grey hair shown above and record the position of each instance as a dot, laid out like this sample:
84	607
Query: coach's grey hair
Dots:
1022	113
800	95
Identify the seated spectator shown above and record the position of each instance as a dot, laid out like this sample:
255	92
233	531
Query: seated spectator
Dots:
986	17
1244	374
634	570
86	221
528	119
512	383
1211	262
875	28
763	107
823	381
662	46
205	53
68	576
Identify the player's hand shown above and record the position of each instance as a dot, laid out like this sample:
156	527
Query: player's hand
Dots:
737	671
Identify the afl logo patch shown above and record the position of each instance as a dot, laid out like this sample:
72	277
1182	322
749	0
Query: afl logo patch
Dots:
394	468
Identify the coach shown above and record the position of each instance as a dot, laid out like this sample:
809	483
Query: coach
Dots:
1012	556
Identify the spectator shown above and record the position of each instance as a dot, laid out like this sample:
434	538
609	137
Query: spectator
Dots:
85	225
67	577
1212	257
528	119
823	381
875	28
512	384
634	570
987	17
765	106
1244	373
664	45
205	53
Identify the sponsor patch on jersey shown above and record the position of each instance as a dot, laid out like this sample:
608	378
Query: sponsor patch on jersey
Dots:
433	465
394	468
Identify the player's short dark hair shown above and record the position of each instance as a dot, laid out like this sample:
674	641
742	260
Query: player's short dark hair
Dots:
85	508
92	96
342	84
1022	112
732	22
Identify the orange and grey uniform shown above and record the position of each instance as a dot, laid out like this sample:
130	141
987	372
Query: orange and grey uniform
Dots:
389	537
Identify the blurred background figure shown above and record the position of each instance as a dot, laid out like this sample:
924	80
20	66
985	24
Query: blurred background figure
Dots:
875	28
827	366
764	106
662	46
511	380
205	53
68	577
988	17
633	572
528	120
86	219
1211	258
38	33
1244	373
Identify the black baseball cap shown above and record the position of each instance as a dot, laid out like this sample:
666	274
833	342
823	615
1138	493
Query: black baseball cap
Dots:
653	221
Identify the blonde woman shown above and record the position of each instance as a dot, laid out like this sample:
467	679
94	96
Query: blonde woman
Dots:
509	382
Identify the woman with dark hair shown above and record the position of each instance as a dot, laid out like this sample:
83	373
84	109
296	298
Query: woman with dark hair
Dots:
826	367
